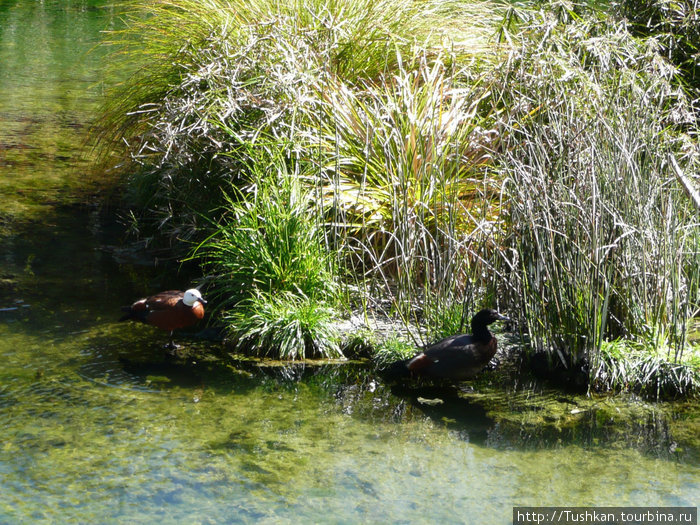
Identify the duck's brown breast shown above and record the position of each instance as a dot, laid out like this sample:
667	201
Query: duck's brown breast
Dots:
174	317
487	350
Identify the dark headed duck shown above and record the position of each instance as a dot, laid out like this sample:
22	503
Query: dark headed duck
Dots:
457	357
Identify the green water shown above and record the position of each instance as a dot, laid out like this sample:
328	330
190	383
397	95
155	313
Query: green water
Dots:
98	426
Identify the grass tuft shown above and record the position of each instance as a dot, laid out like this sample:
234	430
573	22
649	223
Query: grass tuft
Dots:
393	349
625	366
269	241
402	181
285	326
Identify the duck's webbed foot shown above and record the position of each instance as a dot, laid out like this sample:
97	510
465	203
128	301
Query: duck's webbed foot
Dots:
171	347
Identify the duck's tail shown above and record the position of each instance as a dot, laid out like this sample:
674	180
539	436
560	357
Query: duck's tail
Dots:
133	315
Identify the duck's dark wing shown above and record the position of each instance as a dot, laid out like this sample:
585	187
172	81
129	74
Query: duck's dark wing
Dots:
142	309
164	300
459	357
446	357
454	341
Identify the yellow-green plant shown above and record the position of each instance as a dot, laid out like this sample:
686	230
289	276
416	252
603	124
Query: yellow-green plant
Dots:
403	180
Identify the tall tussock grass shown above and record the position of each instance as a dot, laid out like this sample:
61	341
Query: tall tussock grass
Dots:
218	81
269	240
371	154
605	243
223	84
402	180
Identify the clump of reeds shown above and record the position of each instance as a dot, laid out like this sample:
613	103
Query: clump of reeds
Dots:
269	240
541	186
223	86
391	350
605	244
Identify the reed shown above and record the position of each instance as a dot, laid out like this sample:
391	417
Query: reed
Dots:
605	244
675	26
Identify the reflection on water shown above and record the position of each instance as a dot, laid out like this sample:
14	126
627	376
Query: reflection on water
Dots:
50	86
100	425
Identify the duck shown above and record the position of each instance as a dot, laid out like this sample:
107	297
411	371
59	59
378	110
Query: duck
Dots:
169	310
457	357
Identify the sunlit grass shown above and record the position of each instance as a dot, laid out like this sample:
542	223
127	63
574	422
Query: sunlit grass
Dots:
604	242
393	349
285	325
623	365
675	26
269	241
532	177
218	81
275	283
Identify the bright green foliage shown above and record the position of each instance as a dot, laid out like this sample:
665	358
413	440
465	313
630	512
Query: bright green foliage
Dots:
534	178
275	279
269	242
285	326
628	366
393	349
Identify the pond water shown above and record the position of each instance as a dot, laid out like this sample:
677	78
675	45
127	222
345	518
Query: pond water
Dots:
99	426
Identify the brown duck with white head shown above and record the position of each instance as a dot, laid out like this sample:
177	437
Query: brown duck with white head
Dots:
457	357
169	310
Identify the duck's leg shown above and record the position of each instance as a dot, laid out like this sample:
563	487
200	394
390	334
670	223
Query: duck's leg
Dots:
171	346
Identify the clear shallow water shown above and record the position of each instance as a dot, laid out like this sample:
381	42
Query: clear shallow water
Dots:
98	426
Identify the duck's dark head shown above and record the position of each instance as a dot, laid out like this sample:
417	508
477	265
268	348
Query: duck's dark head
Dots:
484	318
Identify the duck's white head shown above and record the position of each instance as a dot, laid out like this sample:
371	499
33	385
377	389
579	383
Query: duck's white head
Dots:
192	296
